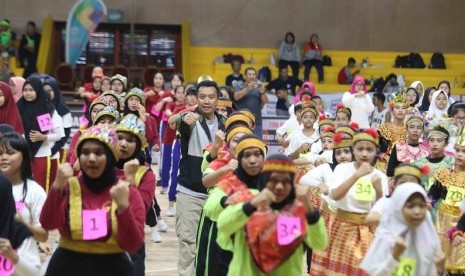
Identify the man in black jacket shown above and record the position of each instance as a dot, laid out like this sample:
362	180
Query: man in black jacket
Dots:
197	129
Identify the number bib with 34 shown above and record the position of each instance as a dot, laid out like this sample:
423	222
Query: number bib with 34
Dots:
406	267
455	195
363	190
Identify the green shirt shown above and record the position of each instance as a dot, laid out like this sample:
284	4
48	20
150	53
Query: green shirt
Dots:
446	162
231	236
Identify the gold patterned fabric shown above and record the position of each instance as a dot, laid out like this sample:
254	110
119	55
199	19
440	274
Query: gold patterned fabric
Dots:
447	218
320	257
392	133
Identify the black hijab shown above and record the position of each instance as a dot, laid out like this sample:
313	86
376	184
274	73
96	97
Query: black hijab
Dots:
425	103
30	110
138	154
249	180
264	176
59	101
10	229
108	176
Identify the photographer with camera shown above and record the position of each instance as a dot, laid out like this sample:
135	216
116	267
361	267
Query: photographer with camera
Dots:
251	95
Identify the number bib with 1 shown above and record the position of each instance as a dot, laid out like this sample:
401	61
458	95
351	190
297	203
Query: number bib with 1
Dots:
94	224
363	190
288	229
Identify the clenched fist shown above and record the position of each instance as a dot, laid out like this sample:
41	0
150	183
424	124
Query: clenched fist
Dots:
364	169
190	118
64	172
120	194
264	198
130	170
232	165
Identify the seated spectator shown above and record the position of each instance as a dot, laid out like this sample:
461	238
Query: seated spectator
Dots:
284	81
313	57
236	77
282	105
391	84
346	76
7	37
289	54
28	49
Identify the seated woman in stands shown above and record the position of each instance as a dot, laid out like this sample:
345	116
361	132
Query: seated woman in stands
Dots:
313	57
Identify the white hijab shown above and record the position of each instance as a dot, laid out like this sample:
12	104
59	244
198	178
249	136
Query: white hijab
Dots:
414	85
422	242
433	109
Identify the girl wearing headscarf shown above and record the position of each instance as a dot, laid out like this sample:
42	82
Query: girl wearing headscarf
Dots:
359	102
320	178
12	233
132	143
9	113
134	103
29	197
445	86
238	185
38	113
418	86
268	233
95	106
52	87
114	100
448	192
16	85
438	108
426	101
307	89
357	186
411	149
406	240
98	216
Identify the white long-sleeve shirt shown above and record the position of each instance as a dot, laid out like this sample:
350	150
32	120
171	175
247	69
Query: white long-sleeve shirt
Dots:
349	203
53	136
320	174
361	108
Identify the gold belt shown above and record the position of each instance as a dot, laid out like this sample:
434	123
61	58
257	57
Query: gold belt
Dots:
325	207
89	247
350	217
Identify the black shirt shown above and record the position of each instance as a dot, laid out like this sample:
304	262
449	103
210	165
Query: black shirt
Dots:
290	84
231	80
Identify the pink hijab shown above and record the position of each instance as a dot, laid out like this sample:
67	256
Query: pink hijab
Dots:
19	83
307	84
357	79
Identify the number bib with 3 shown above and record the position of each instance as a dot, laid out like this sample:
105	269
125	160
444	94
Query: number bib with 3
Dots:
288	229
6	266
455	195
363	190
94	224
406	267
